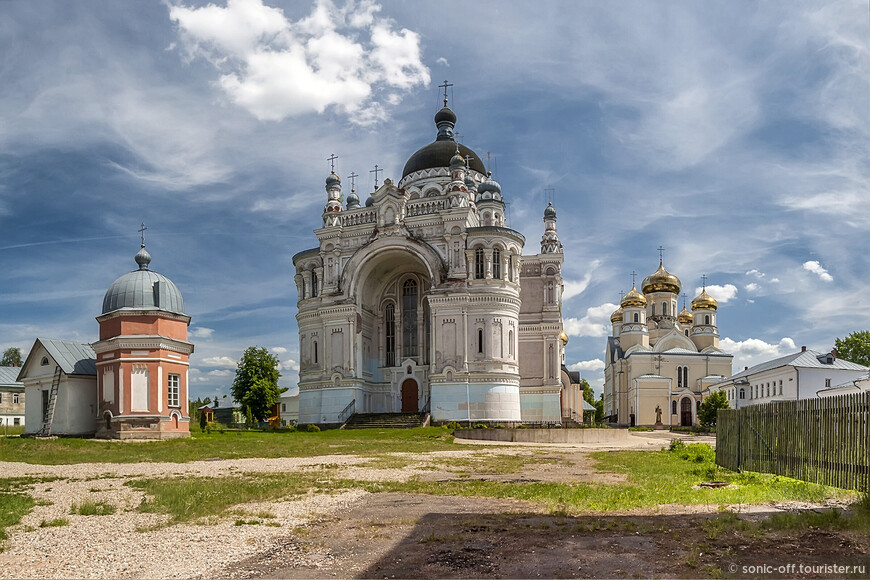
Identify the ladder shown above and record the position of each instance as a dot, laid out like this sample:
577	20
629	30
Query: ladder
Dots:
45	431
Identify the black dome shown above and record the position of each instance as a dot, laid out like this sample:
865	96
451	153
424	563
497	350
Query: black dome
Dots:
445	114
438	154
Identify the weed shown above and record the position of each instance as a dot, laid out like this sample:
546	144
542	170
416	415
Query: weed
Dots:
55	523
43	502
91	508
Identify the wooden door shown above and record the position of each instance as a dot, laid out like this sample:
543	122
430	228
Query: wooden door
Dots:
409	396
686	412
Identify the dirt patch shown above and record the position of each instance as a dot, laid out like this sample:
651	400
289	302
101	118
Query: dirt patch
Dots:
412	536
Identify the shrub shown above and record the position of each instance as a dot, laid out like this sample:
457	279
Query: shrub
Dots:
452	425
480	426
499	426
676	445
215	426
90	508
641	429
312	428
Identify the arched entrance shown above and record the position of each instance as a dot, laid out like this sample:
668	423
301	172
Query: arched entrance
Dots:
686	412
409	396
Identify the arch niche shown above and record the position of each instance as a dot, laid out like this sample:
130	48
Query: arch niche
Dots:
374	278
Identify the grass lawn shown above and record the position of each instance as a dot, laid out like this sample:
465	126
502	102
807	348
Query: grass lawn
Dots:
654	478
228	445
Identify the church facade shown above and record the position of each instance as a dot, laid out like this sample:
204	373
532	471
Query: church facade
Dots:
658	362
420	299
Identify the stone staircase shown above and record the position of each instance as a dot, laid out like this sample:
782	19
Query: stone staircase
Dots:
386	420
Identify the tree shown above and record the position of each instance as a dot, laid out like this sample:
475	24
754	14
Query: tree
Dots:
589	397
256	384
709	408
855	347
11	357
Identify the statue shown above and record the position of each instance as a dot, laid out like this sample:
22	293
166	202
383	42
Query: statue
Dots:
658	414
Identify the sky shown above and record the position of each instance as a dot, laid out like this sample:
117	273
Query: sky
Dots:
734	134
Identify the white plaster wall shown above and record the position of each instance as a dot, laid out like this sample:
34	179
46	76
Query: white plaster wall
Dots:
544	407
475	402
325	405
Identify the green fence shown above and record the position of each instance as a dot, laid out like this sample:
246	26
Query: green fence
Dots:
825	441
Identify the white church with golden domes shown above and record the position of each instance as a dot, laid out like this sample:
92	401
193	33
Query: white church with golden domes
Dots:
420	300
658	361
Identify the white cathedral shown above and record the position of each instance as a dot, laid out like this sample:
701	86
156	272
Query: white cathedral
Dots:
659	364
420	300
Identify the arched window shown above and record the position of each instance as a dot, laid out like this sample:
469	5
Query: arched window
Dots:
697	406
686	376
409	318
313	284
679	377
511	343
44	361
687	332
390	334
496	264
480	340
314	349
510	268
780	388
742	393
664	308
706	319
653	309
486	219
636	317
673	407
479	267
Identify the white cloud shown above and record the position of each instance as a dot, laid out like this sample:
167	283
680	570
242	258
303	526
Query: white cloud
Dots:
288	365
220	361
753	351
202	332
278	349
595	323
220	373
722	294
276	68
817	269
575	287
756	273
752	287
442	61
595	364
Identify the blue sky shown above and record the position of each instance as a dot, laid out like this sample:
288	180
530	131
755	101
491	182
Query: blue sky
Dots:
732	133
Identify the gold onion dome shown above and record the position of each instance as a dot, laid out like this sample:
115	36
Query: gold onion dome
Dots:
661	281
616	317
633	299
704	302
564	337
684	317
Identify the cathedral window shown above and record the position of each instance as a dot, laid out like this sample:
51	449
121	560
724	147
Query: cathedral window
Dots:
496	264
314	349
510	267
679	377
390	334
636	317
742	394
511	343
653	309
313	284
664	308
173	390
480	340
686	377
706	319
673	407
479	266
409	318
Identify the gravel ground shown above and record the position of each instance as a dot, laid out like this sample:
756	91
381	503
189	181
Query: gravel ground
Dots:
111	547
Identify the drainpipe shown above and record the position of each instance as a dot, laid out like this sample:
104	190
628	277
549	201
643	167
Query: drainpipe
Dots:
797	372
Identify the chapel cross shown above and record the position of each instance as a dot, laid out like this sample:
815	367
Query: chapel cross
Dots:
352	178
467	161
444	86
684	300
376	171
661	254
332	157
141	230
457	136
633	276
704	280
548	192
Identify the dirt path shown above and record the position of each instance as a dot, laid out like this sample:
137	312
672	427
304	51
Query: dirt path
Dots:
413	536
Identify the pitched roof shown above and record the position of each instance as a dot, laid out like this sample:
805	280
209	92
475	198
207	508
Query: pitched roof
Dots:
587	406
9	376
805	359
73	358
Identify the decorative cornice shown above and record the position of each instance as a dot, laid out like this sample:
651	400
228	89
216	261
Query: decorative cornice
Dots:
150	341
131	312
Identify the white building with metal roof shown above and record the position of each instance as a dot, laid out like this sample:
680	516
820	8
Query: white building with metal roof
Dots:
803	375
12	397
